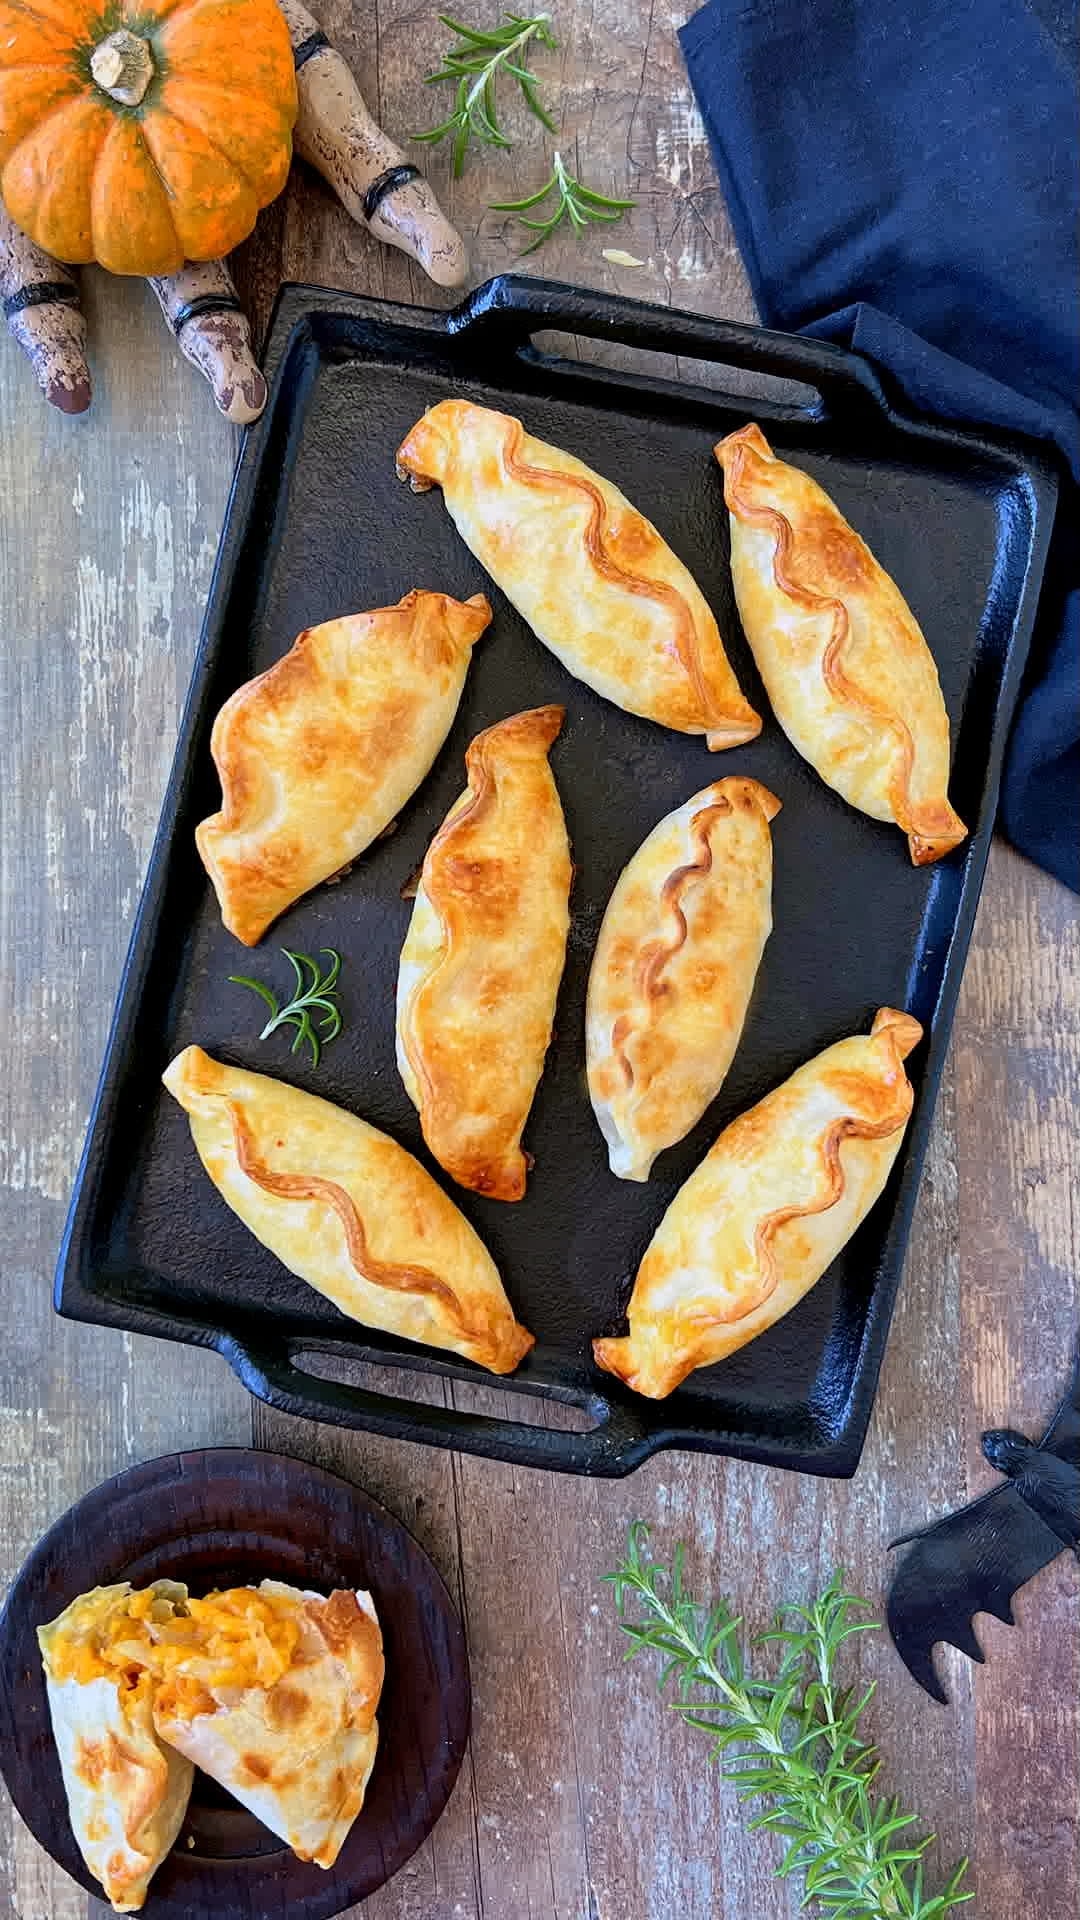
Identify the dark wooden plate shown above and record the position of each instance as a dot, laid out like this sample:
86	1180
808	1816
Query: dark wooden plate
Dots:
229	1517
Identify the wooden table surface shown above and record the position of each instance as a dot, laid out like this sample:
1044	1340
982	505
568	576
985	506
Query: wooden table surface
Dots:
581	1798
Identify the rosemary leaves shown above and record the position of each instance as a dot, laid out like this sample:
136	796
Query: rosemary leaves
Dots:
313	1007
573	202
475	64
791	1739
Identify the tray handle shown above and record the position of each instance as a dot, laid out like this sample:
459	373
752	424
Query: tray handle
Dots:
618	1444
510	309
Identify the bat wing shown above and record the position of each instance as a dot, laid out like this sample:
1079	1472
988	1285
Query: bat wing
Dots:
1063	1434
971	1562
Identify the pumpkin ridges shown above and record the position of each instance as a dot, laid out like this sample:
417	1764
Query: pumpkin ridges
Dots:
61	72
29	40
132	219
195	179
70	21
208	39
27	96
137	14
197	104
213	206
46	181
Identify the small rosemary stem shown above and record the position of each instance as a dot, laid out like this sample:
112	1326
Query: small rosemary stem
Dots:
488	71
868	1883
739	1700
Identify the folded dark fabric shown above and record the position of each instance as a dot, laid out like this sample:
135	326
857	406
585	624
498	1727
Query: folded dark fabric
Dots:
903	179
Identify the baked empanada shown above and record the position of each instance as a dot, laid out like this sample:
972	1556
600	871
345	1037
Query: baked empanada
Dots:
127	1792
318	754
845	665
274	1696
589	573
483	957
348	1210
674	968
768	1209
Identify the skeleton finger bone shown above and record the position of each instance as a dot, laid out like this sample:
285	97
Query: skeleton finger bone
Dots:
41	303
336	134
203	309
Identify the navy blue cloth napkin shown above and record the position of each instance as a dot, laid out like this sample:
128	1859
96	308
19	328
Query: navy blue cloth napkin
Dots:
902	177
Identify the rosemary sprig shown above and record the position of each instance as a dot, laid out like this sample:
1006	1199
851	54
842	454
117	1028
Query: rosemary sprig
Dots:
475	64
317	994
573	201
792	1739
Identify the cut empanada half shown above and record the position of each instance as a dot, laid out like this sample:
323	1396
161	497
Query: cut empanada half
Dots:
843	658
674	969
348	1210
127	1789
592	577
768	1210
484	955
318	755
276	1700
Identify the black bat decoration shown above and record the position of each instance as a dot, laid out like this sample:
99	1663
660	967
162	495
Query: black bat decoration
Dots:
976	1560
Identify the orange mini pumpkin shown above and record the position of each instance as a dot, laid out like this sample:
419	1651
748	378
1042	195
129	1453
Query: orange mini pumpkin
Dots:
143	133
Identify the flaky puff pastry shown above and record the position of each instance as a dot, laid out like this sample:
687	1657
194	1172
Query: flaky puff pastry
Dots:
845	665
674	969
348	1210
318	754
768	1209
589	573
483	957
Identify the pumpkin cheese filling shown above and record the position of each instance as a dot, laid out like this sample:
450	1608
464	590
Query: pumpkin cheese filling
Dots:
239	1638
270	1690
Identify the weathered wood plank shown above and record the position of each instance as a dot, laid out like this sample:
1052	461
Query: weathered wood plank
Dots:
1018	1070
107	536
583	1798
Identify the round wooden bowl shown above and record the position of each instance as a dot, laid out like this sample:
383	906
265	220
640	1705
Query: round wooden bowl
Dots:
229	1517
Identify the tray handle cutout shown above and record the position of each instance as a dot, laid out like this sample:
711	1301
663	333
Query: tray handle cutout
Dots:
508	310
619	1442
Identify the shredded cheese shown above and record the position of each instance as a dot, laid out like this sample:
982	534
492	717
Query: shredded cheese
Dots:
236	1638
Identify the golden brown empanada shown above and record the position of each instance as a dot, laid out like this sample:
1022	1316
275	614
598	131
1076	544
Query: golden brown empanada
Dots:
348	1210
768	1209
483	957
674	968
589	573
317	755
845	665
127	1791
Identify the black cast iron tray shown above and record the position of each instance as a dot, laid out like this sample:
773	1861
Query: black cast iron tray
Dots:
319	525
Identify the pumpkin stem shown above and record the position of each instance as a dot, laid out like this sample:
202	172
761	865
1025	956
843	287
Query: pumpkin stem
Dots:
123	66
